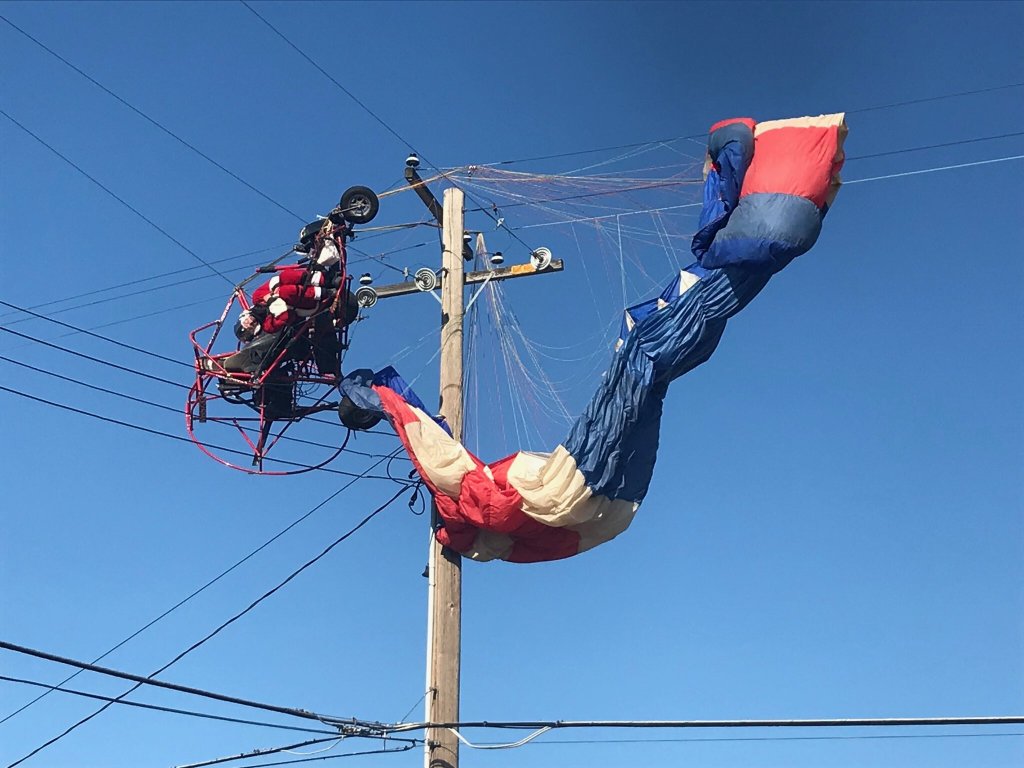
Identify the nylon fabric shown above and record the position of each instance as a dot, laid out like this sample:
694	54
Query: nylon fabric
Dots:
767	189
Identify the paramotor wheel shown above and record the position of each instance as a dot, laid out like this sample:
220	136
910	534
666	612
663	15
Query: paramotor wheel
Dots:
359	205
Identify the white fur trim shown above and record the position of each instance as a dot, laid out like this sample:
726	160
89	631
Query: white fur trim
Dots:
328	254
277	307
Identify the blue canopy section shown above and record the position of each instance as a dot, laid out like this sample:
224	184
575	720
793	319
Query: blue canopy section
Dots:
768	230
358	386
730	150
615	441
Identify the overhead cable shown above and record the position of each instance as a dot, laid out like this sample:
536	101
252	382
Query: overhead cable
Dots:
120	199
875	722
212	581
182	439
140	681
107	339
150	680
369	111
154	707
152	121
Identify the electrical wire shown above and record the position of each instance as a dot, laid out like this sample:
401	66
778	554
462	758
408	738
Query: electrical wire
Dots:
383	751
305	755
261	752
119	199
154	707
703	134
107	363
652	185
179	438
831	737
935	170
152	121
199	643
150	681
174	410
107	339
874	722
137	281
212	581
365	108
935	146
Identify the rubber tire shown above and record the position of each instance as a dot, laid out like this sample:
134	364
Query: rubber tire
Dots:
363	197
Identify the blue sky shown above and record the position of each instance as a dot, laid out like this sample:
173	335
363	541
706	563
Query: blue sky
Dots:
835	527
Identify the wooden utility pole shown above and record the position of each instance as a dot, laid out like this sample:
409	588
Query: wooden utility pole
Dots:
444	567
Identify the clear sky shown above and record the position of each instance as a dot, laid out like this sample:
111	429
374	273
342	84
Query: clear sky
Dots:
836	524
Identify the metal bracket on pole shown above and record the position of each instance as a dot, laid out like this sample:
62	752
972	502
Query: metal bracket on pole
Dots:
414	181
479	291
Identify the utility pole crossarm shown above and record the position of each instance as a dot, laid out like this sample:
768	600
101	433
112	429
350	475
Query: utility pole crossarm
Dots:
479	276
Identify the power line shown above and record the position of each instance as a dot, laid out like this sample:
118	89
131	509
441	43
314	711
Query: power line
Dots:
93	387
179	438
171	409
214	580
152	121
382	751
140	681
84	356
703	134
372	114
155	707
934	170
288	747
119	199
326	74
936	146
373	257
261	752
831	737
941	97
653	185
874	722
137	281
94	335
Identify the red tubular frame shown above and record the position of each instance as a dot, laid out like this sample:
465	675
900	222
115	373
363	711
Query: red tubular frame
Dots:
209	367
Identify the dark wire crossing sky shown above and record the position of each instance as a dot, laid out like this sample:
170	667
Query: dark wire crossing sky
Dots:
835	527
